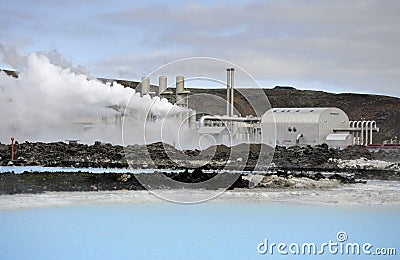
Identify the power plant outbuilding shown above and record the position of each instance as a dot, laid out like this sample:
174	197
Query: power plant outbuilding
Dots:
306	126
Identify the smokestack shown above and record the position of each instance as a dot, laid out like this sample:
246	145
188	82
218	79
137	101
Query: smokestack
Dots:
232	88
180	84
162	84
163	91
229	91
181	92
145	86
228	83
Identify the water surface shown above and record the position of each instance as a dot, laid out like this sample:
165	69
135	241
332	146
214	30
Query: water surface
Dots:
213	230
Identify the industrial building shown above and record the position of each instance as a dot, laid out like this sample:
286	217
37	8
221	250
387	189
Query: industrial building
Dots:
290	127
283	126
277	126
307	126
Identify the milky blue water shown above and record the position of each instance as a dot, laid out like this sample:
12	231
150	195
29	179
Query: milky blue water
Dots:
213	230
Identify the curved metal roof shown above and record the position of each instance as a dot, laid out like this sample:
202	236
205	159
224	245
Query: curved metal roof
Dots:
297	115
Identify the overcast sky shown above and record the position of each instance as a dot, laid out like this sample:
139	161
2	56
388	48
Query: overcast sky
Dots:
336	46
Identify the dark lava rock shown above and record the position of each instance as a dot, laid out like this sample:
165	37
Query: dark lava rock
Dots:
378	175
196	176
164	156
35	182
389	155
355	152
318	176
341	178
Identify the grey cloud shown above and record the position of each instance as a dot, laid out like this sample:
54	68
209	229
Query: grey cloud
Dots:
353	43
350	44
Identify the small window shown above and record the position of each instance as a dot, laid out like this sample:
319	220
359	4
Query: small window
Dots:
297	111
294	129
311	110
290	129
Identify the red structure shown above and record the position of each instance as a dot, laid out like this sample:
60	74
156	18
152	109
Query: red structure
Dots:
12	148
384	146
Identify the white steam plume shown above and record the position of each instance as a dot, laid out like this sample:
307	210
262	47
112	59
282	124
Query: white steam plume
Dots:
50	101
11	57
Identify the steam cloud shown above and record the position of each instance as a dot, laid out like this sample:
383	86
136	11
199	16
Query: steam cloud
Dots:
52	101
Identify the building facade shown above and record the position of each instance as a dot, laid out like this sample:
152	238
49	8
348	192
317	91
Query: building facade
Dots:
306	126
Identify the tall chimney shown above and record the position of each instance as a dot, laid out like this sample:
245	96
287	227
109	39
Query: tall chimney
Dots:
162	85
229	91
180	84
228	83
232	89
145	86
163	91
181	92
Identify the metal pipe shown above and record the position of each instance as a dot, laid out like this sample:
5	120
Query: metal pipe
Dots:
298	138
373	125
12	148
358	134
362	131
228	84
227	118
366	131
232	89
351	125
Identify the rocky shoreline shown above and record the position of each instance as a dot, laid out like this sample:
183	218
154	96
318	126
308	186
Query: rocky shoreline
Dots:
294	167
39	182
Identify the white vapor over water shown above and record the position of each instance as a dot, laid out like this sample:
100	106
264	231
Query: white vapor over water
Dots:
52	101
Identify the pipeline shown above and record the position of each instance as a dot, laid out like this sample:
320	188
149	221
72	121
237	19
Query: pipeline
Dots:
357	134
228	93
373	125
363	123
363	132
230	75
298	138
228	119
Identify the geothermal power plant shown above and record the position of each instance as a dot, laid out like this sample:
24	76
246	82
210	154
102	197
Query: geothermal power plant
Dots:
277	126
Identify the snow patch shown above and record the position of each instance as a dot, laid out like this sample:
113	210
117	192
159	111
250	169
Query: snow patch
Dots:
364	163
